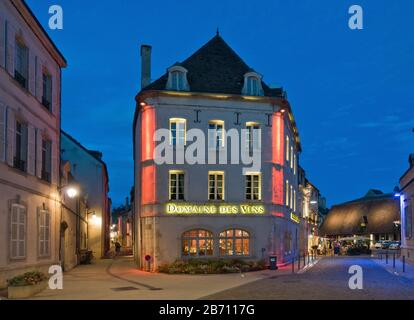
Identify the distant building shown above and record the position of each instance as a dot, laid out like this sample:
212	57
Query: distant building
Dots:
30	92
407	216
123	226
90	171
214	210
376	217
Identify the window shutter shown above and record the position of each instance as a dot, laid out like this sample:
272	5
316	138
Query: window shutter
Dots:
23	154
55	165
11	123
39	80
2	132
32	73
14	240
10	49
22	232
31	150
2	41
38	153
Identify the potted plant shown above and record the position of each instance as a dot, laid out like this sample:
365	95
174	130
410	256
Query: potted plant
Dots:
26	285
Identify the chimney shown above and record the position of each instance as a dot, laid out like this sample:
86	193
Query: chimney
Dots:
145	65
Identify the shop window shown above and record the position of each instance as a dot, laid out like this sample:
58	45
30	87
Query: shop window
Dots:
234	242
197	243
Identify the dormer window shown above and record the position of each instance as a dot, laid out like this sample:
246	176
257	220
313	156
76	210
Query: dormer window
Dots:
252	84
177	79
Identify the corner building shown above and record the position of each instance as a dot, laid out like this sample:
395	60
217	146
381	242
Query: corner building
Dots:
217	210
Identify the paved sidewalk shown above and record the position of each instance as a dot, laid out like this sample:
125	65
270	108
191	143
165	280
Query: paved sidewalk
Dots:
120	279
398	270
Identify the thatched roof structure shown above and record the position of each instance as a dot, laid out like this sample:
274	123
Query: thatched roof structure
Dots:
375	213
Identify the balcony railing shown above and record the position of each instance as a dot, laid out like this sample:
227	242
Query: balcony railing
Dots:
46	103
19	164
20	79
45	176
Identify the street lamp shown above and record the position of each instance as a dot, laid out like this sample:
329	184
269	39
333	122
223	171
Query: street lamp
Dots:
72	192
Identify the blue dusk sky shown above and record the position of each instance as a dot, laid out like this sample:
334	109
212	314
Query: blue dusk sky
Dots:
352	91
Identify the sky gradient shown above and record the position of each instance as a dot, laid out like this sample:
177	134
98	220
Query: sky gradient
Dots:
352	91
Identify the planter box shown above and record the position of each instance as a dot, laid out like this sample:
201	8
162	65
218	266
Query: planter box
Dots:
26	291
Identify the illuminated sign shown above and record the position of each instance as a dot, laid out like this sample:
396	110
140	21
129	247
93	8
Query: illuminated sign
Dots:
174	208
294	217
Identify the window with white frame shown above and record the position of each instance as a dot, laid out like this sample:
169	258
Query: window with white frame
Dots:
44	233
177	79
176	185
21	66
253	86
287	148
216	185
291	157
178	131
287	193
253	136
294	200
291	197
253	186
215	134
18	221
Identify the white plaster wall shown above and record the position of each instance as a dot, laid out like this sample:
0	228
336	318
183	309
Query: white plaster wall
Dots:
26	104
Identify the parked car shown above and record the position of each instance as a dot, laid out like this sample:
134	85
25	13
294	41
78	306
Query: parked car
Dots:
386	244
378	245
394	246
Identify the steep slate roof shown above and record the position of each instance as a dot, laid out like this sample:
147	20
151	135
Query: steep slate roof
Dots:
215	68
345	219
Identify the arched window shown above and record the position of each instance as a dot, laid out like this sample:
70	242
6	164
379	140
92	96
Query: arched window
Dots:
252	84
177	79
234	242
197	243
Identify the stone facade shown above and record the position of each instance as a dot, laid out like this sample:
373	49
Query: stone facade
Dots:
29	143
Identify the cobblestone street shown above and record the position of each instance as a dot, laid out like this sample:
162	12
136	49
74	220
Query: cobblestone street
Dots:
328	279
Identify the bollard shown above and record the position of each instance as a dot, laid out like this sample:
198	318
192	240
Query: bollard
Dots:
403	263
298	262
393	260
304	260
308	258
293	265
386	257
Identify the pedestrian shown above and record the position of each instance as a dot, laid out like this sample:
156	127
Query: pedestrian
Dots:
117	248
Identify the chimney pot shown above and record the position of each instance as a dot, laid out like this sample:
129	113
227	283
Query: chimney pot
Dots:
145	65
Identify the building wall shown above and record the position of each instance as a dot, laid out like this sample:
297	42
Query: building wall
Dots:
16	102
90	174
159	232
407	215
